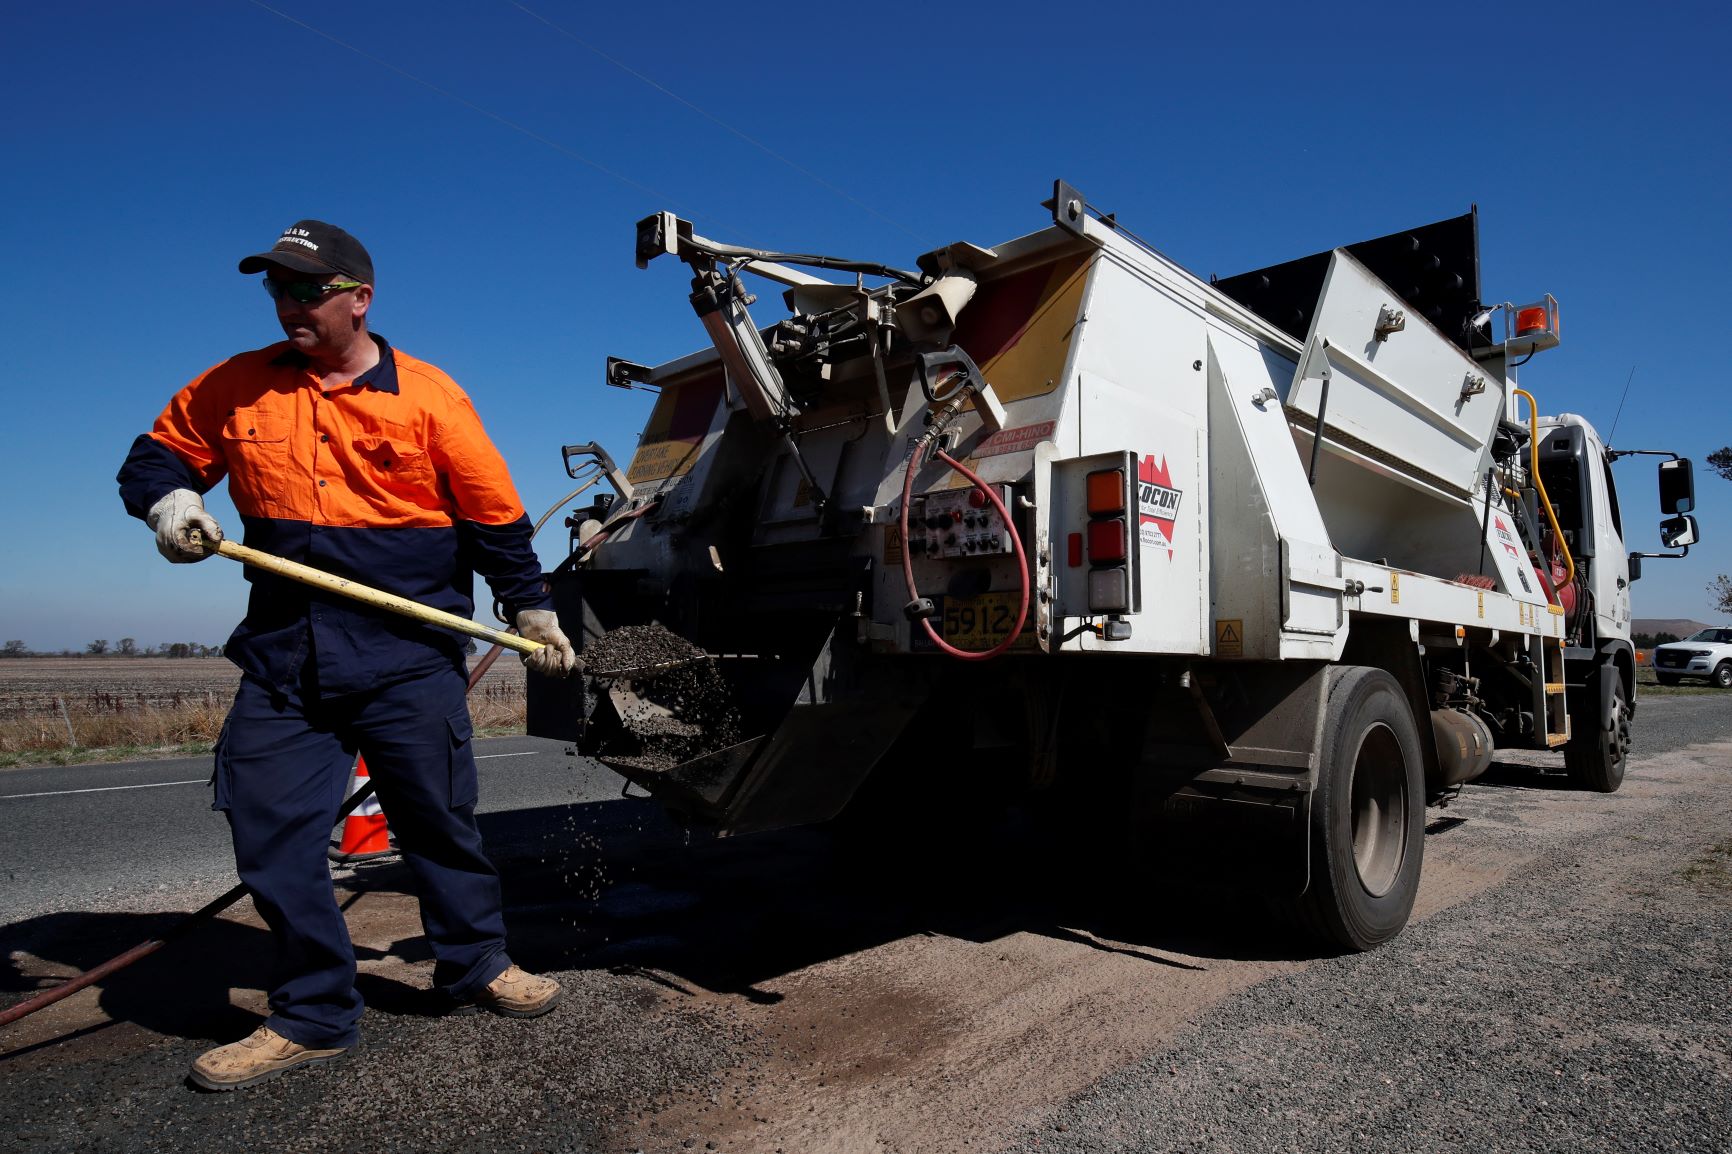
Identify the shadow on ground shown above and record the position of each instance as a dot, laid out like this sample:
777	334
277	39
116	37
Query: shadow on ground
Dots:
181	990
615	885
1512	774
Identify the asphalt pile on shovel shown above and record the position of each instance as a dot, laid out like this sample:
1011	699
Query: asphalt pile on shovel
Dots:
663	701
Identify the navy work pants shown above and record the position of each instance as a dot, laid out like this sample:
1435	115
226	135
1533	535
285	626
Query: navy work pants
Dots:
282	771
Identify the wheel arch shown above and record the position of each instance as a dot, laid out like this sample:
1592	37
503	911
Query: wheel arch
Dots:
1619	656
1388	645
1622	654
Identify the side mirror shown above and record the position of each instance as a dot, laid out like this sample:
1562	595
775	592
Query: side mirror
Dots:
1678	532
1677	487
1635	567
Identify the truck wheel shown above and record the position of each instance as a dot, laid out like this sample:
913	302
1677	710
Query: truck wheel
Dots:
1595	755
1367	814
1721	678
1666	678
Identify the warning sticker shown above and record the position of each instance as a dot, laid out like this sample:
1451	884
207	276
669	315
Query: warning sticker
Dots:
892	544
677	427
1015	440
1229	637
664	459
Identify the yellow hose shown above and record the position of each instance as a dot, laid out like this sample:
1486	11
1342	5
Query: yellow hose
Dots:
1534	469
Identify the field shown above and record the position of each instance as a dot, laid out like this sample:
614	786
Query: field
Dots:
69	709
62	709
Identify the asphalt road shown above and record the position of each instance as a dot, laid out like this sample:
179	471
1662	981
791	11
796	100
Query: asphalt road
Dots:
1563	985
142	835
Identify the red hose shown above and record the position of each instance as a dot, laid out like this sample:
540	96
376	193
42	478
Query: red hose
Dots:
1015	542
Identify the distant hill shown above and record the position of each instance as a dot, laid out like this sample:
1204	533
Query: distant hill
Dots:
1677	626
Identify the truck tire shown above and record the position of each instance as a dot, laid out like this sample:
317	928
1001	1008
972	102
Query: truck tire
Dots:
1367	813
1721	678
1595	755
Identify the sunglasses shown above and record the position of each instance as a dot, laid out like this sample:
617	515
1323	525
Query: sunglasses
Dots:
305	291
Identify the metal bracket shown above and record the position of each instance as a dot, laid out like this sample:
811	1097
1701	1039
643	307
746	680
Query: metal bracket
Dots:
1389	320
1069	208
624	374
1206	715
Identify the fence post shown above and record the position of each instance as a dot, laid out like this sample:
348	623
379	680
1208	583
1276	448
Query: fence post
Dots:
71	738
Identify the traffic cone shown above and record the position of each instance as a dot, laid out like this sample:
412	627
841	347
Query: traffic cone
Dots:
364	831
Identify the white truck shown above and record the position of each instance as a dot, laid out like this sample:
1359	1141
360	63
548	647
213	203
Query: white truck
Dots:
1706	653
1254	568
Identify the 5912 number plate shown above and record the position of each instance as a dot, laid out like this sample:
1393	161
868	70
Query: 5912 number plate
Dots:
980	621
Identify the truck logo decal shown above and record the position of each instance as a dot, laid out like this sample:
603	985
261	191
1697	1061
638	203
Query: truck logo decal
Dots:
1506	539
1015	440
1157	503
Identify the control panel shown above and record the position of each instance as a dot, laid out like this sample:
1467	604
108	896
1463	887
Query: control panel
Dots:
958	523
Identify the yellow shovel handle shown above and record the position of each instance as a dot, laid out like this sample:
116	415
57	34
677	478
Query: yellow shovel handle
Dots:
366	594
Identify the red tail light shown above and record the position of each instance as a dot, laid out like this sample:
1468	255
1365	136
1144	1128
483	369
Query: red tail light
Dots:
1108	543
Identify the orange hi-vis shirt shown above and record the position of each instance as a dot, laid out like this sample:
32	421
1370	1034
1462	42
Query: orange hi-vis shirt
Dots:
389	480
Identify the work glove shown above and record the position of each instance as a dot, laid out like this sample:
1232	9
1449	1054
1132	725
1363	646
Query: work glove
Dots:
556	657
174	518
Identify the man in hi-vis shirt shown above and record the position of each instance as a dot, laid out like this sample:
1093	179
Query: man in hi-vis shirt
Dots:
350	456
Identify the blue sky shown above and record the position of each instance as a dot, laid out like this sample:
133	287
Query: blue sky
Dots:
494	157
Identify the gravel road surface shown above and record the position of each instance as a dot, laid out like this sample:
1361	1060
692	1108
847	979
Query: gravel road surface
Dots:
1566	985
1583	1002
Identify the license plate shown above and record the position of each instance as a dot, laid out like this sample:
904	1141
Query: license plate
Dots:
982	621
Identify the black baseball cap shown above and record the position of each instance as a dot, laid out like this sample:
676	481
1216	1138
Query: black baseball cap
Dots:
316	247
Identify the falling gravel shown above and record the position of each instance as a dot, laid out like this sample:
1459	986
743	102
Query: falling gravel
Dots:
665	702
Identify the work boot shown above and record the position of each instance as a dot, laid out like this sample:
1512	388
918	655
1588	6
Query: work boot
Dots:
519	994
261	1055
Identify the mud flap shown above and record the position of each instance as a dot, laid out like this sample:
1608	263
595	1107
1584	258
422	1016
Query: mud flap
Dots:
1605	693
1233	837
1226	774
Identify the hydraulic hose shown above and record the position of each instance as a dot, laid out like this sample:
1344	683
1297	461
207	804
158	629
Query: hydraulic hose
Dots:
908	555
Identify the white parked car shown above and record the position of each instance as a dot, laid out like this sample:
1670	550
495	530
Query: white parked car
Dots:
1707	654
